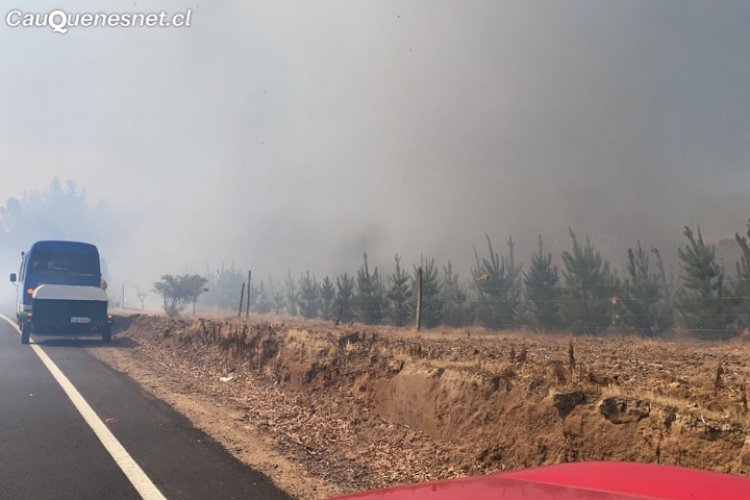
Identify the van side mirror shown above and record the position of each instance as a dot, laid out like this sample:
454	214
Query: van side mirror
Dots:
13	278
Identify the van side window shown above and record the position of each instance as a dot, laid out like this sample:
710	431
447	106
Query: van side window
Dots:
21	276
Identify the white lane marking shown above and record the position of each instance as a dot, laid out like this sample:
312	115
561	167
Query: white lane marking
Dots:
130	468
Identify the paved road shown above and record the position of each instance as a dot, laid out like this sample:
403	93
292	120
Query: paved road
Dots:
48	450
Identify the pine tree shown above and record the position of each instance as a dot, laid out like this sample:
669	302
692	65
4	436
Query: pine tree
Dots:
263	304
455	311
644	302
290	293
344	304
590	286
432	302
542	291
370	297
704	303
308	297
399	295
741	282
497	281
327	297
667	284
224	287
279	301
251	294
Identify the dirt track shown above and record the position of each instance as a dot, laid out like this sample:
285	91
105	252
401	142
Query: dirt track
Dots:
325	409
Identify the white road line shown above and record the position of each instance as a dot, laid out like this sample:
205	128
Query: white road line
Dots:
130	468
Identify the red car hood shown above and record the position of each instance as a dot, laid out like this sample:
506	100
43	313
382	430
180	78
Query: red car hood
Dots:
585	480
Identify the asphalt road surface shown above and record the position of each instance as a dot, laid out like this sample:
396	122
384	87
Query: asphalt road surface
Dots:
131	445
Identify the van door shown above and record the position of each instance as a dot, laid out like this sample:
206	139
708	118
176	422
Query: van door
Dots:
21	290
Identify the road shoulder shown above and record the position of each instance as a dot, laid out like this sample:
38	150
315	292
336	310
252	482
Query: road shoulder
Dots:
223	422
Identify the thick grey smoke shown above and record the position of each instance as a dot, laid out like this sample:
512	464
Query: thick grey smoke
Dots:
295	135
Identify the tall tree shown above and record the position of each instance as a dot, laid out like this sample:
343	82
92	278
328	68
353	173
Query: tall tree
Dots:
399	295
309	296
344	304
251	294
455	310
224	287
327	298
263	303
432	302
704	302
586	303
542	290
497	281
60	212
645	306
741	282
667	284
370	297
290	295
279	301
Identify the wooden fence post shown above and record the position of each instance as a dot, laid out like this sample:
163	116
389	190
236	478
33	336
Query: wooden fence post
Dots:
242	296
419	298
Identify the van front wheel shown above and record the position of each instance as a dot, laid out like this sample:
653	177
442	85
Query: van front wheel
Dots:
25	332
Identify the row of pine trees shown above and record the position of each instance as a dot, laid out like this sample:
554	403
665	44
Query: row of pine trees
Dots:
584	296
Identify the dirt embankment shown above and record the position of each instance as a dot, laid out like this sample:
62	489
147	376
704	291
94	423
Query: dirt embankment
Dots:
326	409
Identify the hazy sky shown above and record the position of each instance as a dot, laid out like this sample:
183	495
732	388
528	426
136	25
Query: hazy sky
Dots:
294	135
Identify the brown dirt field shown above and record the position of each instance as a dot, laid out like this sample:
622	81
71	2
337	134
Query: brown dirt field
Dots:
325	409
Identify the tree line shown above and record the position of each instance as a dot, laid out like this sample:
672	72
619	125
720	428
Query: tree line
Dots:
585	295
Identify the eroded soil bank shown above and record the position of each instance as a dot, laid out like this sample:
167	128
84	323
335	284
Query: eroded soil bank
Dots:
325	409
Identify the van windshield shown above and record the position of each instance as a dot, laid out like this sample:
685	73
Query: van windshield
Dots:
64	263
